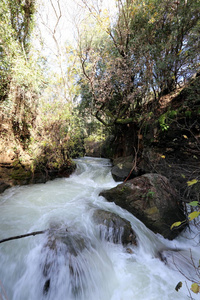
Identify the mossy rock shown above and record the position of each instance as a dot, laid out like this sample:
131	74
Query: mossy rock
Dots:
20	175
151	199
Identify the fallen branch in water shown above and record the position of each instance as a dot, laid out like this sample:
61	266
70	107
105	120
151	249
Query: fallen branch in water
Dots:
23	235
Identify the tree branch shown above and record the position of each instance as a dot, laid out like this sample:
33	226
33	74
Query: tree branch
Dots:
23	235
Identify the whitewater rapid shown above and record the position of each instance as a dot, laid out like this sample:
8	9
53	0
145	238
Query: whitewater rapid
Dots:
38	268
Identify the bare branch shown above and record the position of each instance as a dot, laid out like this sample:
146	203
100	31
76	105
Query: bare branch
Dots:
23	236
58	15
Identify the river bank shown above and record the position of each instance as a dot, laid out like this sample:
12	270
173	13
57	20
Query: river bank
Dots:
17	173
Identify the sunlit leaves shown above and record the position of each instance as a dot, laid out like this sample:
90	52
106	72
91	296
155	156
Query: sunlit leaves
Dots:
191	182
195	288
176	224
193	215
104	20
194	203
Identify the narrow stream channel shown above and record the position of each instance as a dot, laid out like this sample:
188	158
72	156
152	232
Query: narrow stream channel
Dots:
88	268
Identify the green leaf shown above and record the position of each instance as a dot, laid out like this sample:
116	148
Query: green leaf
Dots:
193	215
195	288
194	203
191	182
176	224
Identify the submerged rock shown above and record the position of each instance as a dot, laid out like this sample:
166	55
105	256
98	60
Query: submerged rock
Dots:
151	199
70	255
113	228
67	247
74	250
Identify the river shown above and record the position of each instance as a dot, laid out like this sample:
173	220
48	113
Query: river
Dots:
33	269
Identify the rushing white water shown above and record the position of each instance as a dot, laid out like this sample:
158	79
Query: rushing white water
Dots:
84	267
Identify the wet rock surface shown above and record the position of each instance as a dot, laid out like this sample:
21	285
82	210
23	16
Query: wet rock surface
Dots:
114	228
123	168
151	199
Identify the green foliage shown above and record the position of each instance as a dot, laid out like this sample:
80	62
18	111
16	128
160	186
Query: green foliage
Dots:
166	119
162	121
150	194
194	203
16	24
168	49
150	48
123	189
21	15
20	74
188	114
172	114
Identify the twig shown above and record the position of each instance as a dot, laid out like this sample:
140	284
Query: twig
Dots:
189	291
134	166
23	235
135	159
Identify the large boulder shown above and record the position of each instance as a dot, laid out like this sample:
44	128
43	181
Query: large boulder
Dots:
113	228
152	200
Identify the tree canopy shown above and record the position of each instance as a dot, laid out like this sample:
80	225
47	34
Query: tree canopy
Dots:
122	60
147	51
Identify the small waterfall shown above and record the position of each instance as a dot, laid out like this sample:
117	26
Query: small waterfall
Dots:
68	266
78	258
